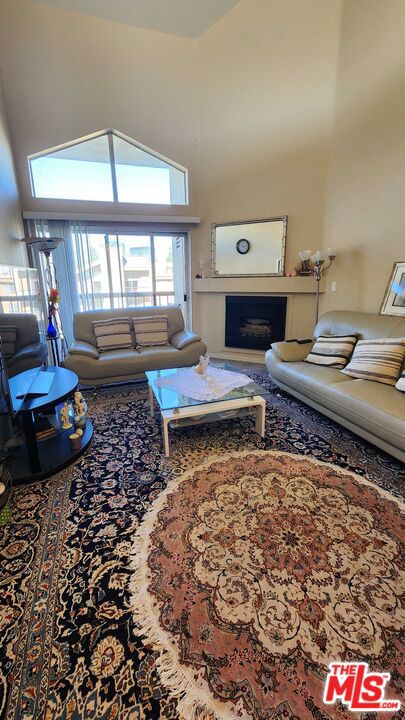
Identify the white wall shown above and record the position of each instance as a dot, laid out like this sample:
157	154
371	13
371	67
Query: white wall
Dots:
267	90
67	75
365	217
251	108
12	251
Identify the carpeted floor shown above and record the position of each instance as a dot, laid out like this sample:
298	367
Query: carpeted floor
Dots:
69	647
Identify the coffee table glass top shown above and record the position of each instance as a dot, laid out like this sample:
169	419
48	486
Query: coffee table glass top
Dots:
169	399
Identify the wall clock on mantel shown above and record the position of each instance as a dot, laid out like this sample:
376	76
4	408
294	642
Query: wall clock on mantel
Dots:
243	246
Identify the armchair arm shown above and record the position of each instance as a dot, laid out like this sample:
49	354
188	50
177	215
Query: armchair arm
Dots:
183	338
33	350
292	351
80	347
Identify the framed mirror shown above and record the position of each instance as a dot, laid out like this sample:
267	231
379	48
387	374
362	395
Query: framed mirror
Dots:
249	247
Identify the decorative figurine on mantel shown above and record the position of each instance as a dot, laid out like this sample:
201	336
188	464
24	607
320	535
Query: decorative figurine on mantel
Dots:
64	417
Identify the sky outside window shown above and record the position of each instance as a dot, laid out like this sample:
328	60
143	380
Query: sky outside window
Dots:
83	172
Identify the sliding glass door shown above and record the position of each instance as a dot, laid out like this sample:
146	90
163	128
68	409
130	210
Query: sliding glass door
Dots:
120	269
111	266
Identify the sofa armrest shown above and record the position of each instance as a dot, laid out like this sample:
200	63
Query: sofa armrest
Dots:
292	351
183	338
80	347
33	350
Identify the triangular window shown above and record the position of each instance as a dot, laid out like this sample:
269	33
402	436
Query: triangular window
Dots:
108	167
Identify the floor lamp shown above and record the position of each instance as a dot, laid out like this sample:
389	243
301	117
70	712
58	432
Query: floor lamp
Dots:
315	264
319	258
46	245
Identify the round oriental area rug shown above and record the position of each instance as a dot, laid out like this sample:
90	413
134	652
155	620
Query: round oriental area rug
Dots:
256	570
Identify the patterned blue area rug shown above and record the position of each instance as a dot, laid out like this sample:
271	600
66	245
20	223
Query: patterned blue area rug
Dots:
69	647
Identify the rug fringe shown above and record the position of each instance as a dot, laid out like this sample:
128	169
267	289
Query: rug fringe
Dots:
195	701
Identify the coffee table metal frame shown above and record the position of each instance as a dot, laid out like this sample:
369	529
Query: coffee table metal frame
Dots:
213	408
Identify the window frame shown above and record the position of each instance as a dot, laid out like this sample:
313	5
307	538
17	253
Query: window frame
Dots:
110	133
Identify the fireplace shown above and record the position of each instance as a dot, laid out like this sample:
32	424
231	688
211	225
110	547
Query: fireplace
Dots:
254	321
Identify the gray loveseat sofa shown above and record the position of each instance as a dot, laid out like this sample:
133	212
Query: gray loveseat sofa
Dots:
94	368
374	411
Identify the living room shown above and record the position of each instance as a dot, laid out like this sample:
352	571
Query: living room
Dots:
281	113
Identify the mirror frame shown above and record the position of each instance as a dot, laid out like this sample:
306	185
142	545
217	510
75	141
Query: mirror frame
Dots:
216	274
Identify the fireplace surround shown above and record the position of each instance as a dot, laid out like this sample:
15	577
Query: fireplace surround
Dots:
254	321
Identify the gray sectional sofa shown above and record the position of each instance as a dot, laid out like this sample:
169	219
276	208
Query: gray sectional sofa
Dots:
374	411
94	368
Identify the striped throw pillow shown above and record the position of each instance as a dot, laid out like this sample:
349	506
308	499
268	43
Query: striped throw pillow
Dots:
113	334
151	330
401	382
379	360
8	335
332	350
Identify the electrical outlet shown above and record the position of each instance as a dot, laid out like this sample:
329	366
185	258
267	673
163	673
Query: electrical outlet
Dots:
334	286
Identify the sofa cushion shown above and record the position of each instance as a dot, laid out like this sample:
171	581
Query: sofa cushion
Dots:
379	360
150	330
304	376
376	407
113	334
8	335
117	362
332	351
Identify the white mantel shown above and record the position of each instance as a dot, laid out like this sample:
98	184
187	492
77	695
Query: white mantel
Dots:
257	285
209	309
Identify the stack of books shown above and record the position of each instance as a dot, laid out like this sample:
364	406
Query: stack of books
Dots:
44	428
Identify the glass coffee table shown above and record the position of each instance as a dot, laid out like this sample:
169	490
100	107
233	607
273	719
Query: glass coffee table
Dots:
179	410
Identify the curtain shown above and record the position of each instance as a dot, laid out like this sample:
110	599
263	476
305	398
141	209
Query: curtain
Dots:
64	261
82	258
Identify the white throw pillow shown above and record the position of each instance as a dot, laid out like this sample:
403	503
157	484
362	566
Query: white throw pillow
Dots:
401	382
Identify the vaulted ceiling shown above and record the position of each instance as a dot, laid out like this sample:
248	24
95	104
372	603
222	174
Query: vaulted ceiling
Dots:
187	18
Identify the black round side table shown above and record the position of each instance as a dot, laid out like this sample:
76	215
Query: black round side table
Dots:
38	459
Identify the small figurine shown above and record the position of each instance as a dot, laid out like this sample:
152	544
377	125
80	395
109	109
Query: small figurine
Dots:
202	366
64	416
80	405
80	422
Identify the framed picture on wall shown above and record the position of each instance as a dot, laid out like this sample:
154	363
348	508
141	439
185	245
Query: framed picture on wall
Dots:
394	300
